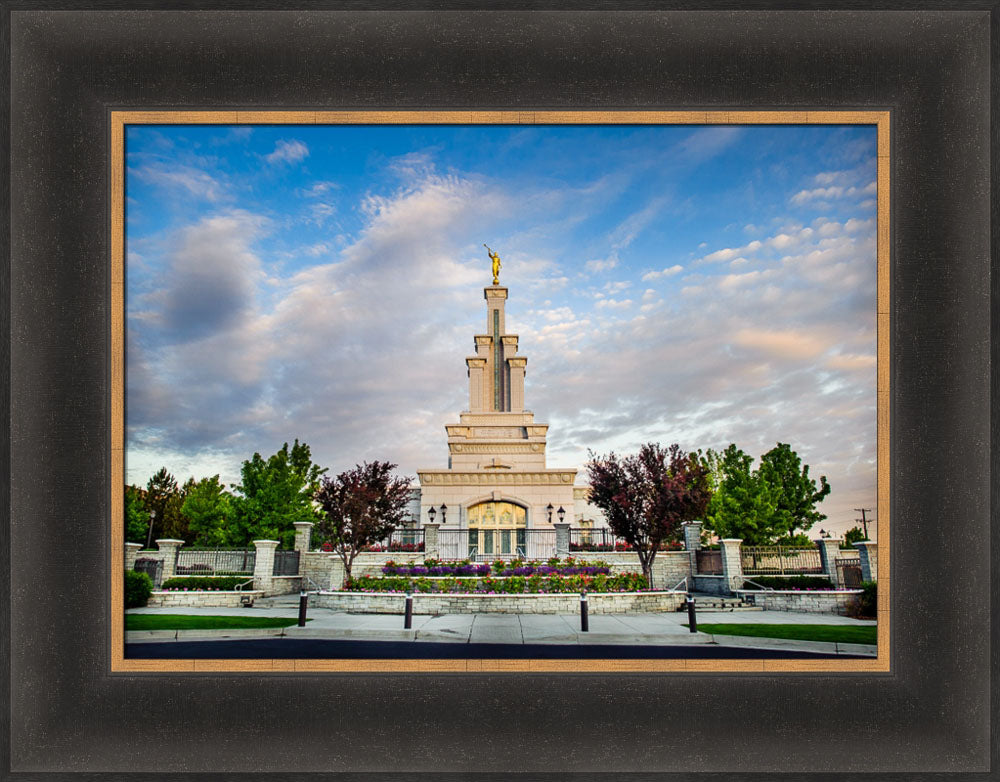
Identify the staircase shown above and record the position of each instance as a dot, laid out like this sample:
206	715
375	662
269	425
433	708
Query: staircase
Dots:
718	604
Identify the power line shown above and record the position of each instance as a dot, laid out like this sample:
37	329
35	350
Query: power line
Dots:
864	519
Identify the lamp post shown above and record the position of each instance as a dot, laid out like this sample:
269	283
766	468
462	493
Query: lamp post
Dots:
561	513
550	509
444	514
432	513
149	536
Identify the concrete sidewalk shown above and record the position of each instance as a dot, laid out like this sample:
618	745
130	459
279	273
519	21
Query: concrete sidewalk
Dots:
624	629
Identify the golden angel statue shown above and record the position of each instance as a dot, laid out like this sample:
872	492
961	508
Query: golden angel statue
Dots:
496	265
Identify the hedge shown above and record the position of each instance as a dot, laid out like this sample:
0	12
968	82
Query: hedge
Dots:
622	582
868	602
790	582
515	567
204	583
138	588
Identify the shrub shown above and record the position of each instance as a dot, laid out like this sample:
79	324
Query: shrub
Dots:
204	583
601	582
790	582
868	602
138	588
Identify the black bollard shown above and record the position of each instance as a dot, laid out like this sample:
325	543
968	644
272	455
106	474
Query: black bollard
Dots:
692	618
408	616
584	618
303	605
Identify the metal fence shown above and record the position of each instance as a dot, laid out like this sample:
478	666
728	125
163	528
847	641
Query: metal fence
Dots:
400	540
215	562
489	544
152	568
286	563
586	539
778	560
849	571
708	562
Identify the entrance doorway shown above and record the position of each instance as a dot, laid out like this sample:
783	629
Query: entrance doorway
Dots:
497	529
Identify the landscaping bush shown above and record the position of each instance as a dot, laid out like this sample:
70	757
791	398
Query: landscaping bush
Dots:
204	583
138	588
868	602
500	568
790	582
602	582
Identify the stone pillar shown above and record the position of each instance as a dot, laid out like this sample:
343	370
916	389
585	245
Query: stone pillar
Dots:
263	566
477	371
131	554
303	534
869	559
692	542
829	550
517	365
431	549
732	566
562	539
168	548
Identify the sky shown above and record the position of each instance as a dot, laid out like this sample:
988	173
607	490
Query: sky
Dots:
693	284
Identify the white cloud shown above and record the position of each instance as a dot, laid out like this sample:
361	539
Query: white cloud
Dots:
288	152
195	181
670	271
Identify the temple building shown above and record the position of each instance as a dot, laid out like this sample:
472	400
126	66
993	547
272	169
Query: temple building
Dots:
497	497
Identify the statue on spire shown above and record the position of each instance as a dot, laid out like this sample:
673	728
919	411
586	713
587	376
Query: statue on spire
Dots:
496	264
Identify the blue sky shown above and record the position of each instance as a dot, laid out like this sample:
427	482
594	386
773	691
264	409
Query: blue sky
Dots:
703	285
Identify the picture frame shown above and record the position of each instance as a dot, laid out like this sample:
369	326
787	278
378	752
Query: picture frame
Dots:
69	712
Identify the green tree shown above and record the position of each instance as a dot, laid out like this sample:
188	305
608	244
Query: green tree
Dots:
136	515
159	490
764	504
207	506
852	536
273	494
361	506
646	497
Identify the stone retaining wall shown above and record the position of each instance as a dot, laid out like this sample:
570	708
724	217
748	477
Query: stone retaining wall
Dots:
563	603
284	585
220	599
841	601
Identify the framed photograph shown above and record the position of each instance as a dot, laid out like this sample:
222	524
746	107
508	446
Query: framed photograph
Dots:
153	151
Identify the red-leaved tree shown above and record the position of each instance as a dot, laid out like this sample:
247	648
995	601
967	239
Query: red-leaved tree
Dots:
645	497
362	506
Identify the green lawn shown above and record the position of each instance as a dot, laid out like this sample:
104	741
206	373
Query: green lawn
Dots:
204	622
848	634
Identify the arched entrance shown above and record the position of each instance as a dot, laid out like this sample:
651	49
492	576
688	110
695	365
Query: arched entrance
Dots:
497	529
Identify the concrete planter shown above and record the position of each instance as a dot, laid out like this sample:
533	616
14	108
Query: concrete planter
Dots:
218	599
843	602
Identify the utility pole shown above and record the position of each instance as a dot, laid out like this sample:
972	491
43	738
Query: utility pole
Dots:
864	519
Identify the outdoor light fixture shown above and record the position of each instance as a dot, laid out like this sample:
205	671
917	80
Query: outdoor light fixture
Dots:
149	535
432	513
549	509
444	512
561	513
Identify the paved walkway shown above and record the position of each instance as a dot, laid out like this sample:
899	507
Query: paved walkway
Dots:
624	629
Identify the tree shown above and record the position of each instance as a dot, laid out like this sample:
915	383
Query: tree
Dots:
136	515
762	505
646	497
208	510
160	488
852	536
361	506
273	494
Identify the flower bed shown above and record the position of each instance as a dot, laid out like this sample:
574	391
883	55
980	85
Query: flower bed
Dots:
500	568
537	583
204	583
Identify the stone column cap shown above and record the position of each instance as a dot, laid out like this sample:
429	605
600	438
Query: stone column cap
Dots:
823	541
731	540
264	543
169	540
133	545
694	521
860	543
303	523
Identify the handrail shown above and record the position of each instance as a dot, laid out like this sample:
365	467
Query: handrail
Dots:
683	581
759	586
239	587
318	587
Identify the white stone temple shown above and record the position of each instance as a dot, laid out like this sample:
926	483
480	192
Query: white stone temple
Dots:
497	496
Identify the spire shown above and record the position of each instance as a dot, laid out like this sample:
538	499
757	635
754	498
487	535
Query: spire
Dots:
496	372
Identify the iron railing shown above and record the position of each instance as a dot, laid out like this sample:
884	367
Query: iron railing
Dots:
152	568
602	539
779	560
286	563
849	572
213	562
407	539
485	545
708	562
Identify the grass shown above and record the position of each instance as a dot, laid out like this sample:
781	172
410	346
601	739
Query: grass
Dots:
848	634
204	622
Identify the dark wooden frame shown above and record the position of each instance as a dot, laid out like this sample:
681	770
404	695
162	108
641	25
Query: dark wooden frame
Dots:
69	714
